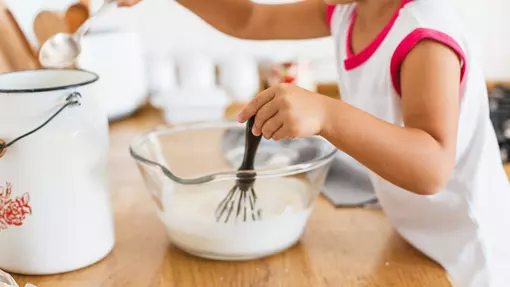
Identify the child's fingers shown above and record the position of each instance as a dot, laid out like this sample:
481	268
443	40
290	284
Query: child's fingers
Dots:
127	3
271	126
254	105
265	113
280	134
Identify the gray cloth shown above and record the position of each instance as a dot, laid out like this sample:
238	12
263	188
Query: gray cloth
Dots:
348	184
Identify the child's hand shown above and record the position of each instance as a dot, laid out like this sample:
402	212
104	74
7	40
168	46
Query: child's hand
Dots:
127	3
286	111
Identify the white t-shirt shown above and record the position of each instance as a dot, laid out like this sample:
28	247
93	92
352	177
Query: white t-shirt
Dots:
466	226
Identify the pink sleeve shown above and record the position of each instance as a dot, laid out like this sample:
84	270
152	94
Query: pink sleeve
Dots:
411	41
329	13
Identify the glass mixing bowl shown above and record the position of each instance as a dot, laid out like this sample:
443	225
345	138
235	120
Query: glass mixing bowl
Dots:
189	170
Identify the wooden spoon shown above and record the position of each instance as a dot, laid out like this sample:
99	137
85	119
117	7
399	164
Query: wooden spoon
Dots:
75	16
15	54
86	3
5	64
47	24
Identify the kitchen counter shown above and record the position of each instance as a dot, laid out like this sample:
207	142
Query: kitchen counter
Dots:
341	247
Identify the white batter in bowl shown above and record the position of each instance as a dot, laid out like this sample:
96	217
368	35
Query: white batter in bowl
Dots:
190	222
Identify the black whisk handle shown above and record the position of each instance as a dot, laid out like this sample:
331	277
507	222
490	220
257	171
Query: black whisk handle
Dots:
251	145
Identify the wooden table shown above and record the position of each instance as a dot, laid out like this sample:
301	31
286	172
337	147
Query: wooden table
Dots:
341	247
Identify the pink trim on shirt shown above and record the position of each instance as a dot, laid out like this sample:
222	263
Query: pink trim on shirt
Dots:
329	13
354	61
411	41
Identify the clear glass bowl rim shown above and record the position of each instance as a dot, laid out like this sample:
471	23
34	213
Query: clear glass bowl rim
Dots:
227	175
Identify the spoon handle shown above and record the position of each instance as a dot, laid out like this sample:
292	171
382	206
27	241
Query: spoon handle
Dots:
108	5
250	147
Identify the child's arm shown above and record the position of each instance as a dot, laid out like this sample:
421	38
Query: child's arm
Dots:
418	157
247	20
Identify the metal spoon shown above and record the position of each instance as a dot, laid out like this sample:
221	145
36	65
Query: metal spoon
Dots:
62	49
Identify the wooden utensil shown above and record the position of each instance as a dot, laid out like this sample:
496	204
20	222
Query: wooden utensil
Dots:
47	24
86	3
16	53
5	64
75	16
22	36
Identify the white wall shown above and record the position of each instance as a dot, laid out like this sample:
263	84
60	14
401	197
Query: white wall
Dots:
166	28
489	24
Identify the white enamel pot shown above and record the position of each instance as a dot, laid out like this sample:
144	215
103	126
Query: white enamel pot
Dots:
55	212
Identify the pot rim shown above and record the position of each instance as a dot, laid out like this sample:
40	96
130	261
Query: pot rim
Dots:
225	175
95	78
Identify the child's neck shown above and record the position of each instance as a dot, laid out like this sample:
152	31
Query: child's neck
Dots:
375	12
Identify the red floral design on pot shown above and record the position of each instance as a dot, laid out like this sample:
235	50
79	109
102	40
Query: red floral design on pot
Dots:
13	211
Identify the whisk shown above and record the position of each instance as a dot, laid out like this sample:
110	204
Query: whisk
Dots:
241	199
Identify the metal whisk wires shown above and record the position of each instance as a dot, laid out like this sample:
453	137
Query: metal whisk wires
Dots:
240	202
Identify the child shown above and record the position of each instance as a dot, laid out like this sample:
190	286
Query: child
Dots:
414	111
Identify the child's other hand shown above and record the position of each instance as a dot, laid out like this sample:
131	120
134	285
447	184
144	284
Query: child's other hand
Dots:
127	3
286	111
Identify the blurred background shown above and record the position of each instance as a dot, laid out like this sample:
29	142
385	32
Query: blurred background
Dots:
161	50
